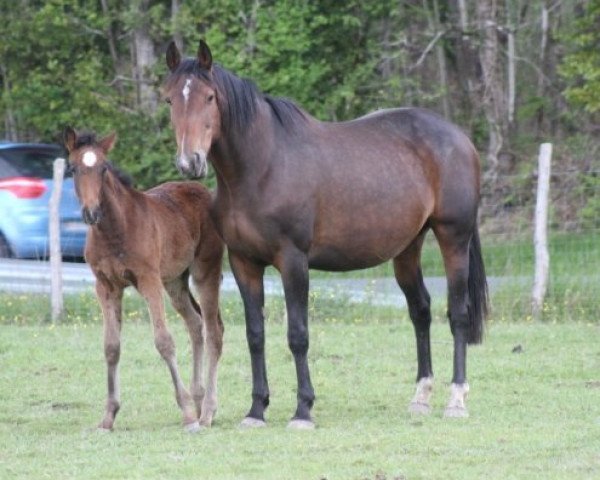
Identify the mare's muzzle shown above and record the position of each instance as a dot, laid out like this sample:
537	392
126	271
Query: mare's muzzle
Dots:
91	216
194	165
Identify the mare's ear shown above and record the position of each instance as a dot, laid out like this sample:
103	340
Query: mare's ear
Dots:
204	56
173	56
108	142
69	138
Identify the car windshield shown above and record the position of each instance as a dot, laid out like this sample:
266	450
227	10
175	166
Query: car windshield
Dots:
27	162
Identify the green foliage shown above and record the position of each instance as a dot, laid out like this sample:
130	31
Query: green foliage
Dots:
581	66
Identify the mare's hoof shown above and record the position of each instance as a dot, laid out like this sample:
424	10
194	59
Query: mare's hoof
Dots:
250	422
193	427
418	408
103	430
298	424
456	412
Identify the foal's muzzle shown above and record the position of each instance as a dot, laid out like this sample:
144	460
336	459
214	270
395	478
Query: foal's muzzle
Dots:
194	165
91	216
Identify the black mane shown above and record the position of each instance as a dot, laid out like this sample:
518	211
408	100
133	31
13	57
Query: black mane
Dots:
241	97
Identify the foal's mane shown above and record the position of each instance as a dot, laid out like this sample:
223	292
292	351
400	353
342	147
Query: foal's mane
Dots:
241	97
89	139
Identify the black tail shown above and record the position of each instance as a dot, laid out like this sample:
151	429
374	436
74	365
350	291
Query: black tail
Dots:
478	291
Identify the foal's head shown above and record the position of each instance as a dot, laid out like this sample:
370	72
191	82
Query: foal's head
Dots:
87	160
193	98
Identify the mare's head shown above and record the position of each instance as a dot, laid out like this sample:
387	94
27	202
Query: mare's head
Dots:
194	100
89	164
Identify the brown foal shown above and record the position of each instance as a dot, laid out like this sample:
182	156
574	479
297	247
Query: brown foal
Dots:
151	240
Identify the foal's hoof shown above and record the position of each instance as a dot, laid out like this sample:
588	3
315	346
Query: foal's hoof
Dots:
193	427
418	408
298	424
456	412
250	422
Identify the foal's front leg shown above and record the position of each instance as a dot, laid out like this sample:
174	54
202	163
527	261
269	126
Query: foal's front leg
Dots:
110	299
151	290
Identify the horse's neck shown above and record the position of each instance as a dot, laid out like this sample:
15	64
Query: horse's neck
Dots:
245	156
116	201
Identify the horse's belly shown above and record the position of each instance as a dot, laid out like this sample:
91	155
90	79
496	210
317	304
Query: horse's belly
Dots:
357	253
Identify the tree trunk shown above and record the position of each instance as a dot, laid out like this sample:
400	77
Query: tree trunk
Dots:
541	87
493	97
434	23
177	36
465	70
511	65
145	59
112	48
10	124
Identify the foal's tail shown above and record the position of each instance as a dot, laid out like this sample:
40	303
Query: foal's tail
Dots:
478	291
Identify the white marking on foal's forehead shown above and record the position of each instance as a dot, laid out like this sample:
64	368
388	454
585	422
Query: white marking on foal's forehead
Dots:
186	90
89	158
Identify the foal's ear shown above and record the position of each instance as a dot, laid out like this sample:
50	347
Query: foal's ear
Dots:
69	138
173	56
204	56
108	142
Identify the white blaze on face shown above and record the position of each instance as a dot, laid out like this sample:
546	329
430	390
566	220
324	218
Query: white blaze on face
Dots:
186	90
89	159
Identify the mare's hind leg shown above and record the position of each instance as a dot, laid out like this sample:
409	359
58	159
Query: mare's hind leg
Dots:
454	244
151	290
110	299
408	273
206	276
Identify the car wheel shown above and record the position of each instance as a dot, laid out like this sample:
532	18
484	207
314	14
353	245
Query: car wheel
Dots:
4	248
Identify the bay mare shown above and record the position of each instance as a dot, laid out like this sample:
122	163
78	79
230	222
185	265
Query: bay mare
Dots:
298	193
150	240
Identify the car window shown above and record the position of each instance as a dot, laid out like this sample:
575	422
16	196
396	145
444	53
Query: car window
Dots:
27	162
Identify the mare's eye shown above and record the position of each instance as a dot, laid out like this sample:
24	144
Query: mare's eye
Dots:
210	98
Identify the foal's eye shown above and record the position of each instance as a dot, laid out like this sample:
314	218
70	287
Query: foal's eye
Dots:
210	98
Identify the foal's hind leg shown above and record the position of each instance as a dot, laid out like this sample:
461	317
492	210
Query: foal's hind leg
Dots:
408	273
110	299
186	306
206	276
454	244
151	289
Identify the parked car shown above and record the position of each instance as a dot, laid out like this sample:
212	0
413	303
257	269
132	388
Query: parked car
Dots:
26	172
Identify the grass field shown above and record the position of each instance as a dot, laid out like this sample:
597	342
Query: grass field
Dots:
534	403
535	412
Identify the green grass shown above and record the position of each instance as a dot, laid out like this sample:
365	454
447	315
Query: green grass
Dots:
534	414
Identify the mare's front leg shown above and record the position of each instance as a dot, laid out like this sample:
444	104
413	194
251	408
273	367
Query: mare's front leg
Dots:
151	289
293	265
110	298
249	277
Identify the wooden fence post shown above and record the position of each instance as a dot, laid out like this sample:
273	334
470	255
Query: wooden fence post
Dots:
540	238
56	293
